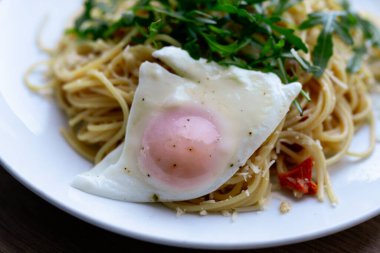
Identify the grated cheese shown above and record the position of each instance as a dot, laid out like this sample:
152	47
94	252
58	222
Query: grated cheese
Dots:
180	212
234	216
226	213
319	144
245	175
284	207
253	167
210	201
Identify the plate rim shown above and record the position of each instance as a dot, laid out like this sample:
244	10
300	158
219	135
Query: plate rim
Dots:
174	243
59	203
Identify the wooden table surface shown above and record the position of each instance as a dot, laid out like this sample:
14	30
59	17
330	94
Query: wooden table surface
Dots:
30	224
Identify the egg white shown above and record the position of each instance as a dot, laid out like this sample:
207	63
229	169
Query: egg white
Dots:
249	105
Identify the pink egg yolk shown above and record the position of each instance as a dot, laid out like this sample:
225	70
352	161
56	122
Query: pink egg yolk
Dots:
181	148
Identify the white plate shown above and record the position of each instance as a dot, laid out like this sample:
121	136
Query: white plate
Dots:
32	150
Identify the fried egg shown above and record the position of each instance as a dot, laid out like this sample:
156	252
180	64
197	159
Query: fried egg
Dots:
189	129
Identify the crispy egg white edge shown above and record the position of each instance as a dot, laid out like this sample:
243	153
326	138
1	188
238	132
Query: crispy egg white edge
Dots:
109	177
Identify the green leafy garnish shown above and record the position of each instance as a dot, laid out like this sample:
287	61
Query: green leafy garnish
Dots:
356	61
341	23
229	32
331	23
371	38
250	34
282	5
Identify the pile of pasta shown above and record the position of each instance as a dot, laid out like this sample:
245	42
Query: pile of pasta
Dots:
94	84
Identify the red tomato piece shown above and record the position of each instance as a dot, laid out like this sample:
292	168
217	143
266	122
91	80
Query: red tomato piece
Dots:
299	178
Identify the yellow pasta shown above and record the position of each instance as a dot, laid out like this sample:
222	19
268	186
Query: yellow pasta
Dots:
94	84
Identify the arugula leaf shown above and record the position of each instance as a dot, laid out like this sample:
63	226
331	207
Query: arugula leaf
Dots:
154	29
290	36
224	50
355	62
232	9
371	37
323	51
331	24
343	32
371	32
307	66
86	15
282	5
340	23
127	19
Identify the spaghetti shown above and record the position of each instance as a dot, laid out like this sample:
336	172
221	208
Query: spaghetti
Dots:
94	83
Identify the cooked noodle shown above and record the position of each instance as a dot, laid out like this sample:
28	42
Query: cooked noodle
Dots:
94	84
